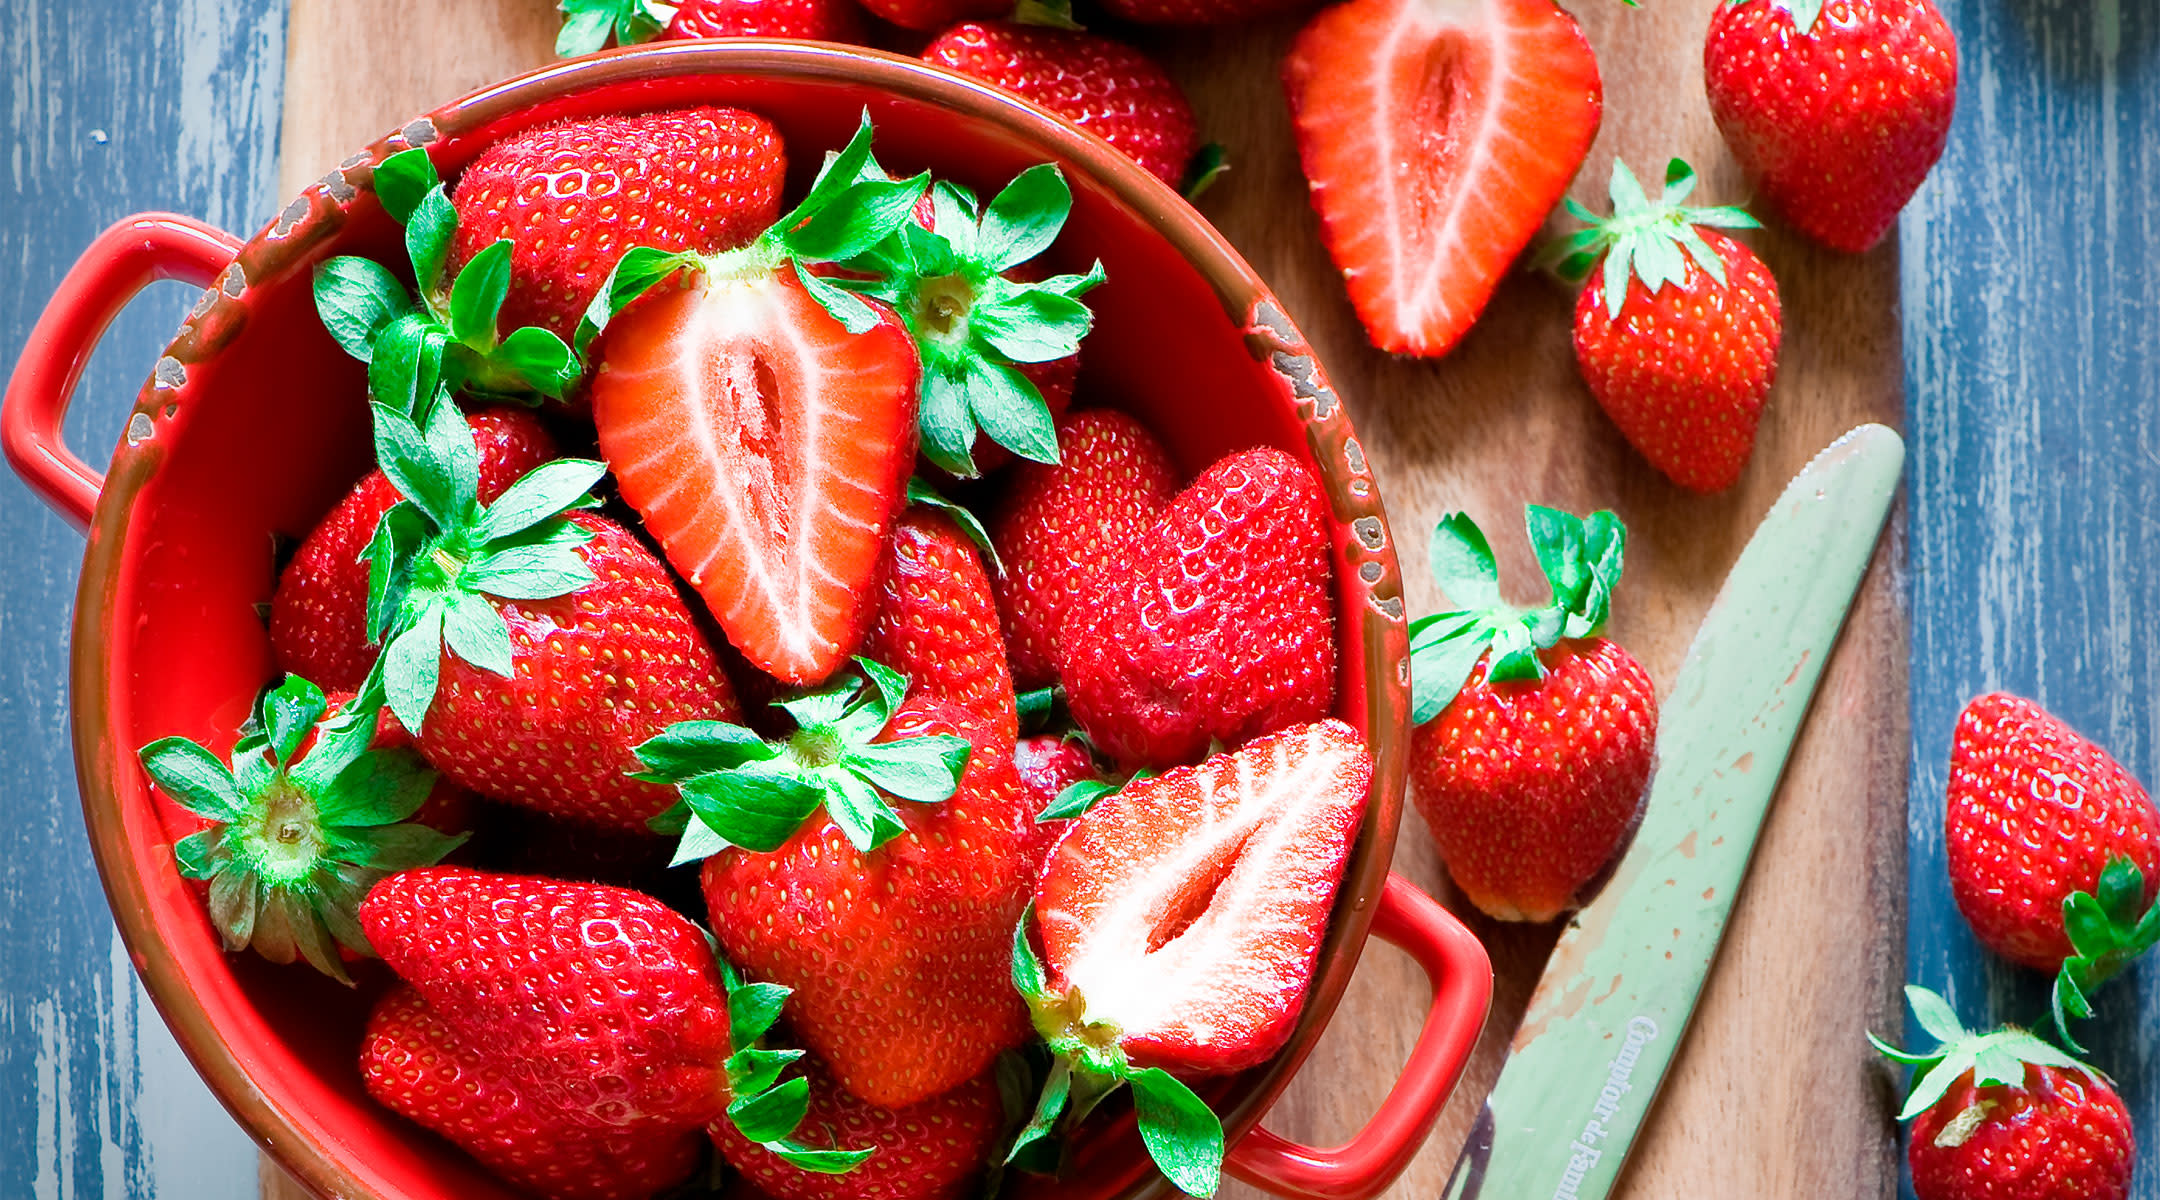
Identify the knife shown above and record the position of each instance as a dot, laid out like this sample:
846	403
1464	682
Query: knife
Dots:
1615	998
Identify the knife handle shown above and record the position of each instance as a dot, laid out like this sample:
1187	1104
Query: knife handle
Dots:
1461	978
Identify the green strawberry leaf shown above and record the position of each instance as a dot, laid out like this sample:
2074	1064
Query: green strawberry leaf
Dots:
1804	14
1028	324
411	668
920	492
539	360
1182	1134
843	306
357	299
863	816
925	769
587	24
403	180
532	572
428	233
389	555
771	1114
688	749
822	1162
193	778
1077	798
545	491
1935	1015
639	270
405	369
1010	410
1557	540
475	632
410	461
197	852
1444	649
1027	971
1208	164
753	807
1049	1105
752	1009
1462	563
477	295
947	424
289	711
1036	707
1022	220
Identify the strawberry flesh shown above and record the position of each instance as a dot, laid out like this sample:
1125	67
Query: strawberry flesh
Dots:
1186	909
1437	135
767	449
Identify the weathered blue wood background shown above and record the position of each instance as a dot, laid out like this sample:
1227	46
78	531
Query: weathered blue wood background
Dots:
2031	292
110	108
2031	283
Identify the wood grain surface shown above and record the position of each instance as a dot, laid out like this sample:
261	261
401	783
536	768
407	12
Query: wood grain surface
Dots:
1814	956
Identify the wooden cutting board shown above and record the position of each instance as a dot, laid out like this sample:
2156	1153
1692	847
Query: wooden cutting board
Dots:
1775	1092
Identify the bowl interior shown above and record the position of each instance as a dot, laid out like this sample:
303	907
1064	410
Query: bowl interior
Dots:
269	428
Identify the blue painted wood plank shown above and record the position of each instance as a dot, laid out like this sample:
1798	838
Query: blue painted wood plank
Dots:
109	109
2033	384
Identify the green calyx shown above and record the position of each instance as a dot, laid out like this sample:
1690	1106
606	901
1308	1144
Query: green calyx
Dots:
446	339
1181	1132
588	24
973	326
2108	928
1082	795
1654	241
439	555
739	790
852	206
1582	561
760	1106
295	843
1996	1059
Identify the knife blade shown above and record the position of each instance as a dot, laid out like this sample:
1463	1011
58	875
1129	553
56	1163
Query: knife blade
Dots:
1616	995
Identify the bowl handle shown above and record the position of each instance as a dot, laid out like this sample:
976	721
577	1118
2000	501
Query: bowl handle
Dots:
1461	978
123	261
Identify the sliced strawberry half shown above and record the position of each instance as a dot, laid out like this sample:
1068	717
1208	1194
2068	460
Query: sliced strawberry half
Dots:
1437	135
767	449
1185	910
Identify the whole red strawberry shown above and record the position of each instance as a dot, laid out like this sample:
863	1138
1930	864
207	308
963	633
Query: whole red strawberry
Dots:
2034	814
1677	336
1221	624
2006	1116
318	615
1057	525
1437	136
816	20
1180	921
530	652
926	1151
573	197
1837	108
1535	736
414	1065
937	621
880	876
1105	87
603	1003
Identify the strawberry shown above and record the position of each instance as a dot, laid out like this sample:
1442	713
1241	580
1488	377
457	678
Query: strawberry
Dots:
937	620
890	919
509	963
528	651
1057	525
1105	87
589	24
923	16
1837	108
997	339
1180	919
571	198
1682	369
1198	12
599	1013
1050	767
1437	135
1219	626
1535	736
318	615
789	401
2006	1116
415	1066
926	1151
310	809
2035	813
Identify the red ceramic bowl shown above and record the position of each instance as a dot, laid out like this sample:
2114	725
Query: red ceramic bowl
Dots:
253	423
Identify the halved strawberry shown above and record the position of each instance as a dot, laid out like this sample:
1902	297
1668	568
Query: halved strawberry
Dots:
766	448
1180	920
762	420
1437	135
